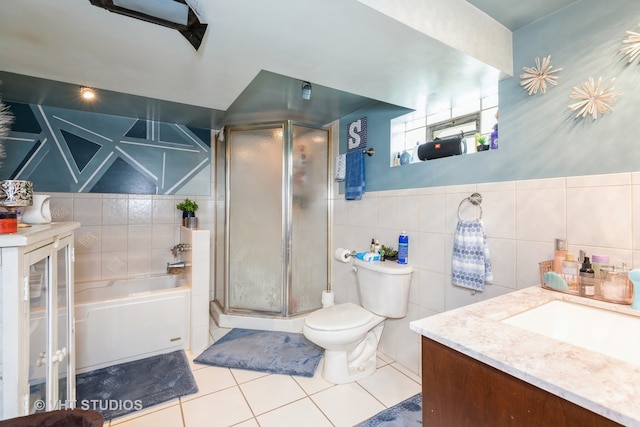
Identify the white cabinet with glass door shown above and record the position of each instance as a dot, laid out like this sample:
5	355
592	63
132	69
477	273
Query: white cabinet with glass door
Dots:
36	278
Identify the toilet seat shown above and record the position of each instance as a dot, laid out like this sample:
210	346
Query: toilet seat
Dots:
338	317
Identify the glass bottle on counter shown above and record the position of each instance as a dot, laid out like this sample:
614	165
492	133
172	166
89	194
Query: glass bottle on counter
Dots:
560	251
617	287
587	279
570	270
600	265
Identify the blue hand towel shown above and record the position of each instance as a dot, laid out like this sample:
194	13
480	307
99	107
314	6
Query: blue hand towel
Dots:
470	264
354	185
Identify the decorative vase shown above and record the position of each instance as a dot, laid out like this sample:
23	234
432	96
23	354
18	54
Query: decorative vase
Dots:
39	212
15	194
186	215
191	222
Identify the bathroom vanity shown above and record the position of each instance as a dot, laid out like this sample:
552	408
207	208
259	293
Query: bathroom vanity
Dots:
36	329
484	366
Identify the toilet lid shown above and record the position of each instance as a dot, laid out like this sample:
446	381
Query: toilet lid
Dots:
338	317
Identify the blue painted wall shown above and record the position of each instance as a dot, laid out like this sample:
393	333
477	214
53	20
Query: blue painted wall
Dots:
539	136
63	150
377	171
546	138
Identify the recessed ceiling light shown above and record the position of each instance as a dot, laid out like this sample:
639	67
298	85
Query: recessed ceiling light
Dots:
87	93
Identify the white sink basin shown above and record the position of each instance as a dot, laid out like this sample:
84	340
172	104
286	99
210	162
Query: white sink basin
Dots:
602	331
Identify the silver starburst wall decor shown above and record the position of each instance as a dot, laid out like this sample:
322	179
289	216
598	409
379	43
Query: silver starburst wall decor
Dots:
632	48
538	77
593	98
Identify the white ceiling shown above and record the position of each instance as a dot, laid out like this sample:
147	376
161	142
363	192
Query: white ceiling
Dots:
519	13
256	53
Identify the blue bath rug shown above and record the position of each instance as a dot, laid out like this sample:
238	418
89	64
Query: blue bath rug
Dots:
121	389
265	351
407	413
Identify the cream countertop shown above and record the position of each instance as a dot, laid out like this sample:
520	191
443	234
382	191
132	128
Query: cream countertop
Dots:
602	384
36	233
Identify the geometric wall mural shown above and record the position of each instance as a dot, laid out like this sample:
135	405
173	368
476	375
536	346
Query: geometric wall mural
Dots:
62	150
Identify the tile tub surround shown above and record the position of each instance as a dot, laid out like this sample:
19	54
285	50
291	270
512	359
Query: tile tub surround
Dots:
125	235
602	384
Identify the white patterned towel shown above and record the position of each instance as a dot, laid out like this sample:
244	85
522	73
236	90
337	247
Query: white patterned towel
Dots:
341	167
470	264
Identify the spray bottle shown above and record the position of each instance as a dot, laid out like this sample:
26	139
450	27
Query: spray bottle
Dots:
403	248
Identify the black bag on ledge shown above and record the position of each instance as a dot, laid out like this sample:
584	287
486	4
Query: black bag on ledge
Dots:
438	148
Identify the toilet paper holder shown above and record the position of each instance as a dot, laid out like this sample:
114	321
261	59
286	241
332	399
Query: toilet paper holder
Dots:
343	255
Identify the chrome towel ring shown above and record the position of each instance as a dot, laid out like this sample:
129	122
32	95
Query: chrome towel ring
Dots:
475	199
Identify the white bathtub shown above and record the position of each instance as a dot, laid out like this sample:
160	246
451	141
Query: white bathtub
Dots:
123	320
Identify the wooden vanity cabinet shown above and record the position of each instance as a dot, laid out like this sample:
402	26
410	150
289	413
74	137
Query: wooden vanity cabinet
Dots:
459	391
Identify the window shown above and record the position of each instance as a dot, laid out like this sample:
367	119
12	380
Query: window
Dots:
471	118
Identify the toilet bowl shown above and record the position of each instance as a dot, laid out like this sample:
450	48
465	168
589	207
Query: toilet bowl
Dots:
350	333
341	330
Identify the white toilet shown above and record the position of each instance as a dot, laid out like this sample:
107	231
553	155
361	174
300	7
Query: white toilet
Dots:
350	333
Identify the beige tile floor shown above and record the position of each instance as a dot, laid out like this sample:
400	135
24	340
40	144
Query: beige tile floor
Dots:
233	397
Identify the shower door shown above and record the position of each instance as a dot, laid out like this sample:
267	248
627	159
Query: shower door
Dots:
276	219
309	214
255	219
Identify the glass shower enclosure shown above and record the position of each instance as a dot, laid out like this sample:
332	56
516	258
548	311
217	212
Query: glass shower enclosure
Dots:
272	240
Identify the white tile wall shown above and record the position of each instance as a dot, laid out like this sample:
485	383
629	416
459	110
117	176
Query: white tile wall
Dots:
521	219
125	235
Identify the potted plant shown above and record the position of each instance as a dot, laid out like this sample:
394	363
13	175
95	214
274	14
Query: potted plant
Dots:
481	143
389	254
188	208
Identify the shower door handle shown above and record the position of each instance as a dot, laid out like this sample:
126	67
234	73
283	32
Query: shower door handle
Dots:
41	359
59	356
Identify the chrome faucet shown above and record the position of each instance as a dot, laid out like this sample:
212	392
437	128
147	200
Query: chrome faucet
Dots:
176	267
179	264
180	247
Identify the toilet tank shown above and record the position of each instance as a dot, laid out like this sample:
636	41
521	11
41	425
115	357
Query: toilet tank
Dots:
384	287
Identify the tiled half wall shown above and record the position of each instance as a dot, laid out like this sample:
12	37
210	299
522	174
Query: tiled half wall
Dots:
598	213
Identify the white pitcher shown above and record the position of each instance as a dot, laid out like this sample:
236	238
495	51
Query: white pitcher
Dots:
39	212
